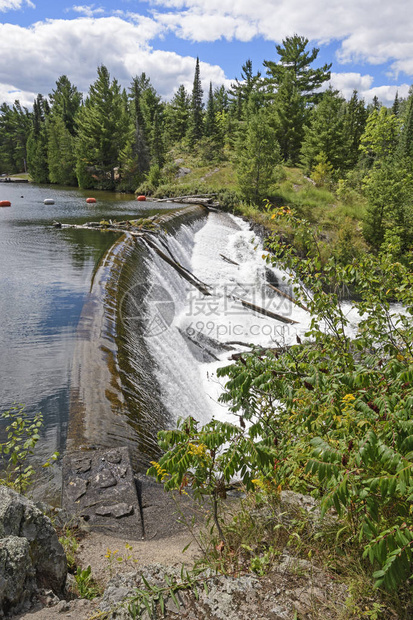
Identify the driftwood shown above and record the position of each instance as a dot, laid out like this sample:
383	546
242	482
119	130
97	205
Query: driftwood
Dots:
228	260
274	288
265	312
277	290
181	270
260	350
187	197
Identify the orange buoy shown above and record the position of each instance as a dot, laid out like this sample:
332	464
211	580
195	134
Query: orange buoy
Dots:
90	200
141	198
5	203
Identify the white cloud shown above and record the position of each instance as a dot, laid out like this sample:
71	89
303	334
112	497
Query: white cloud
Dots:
368	31
13	5
88	10
33	58
346	83
386	94
9	94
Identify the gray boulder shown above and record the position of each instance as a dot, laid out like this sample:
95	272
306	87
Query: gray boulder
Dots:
31	555
17	575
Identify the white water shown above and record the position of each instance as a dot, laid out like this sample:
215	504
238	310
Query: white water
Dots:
187	372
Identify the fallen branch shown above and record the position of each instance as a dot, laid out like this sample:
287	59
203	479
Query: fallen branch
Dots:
187	275
277	290
228	260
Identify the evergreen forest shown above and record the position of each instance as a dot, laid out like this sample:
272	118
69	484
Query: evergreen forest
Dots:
269	122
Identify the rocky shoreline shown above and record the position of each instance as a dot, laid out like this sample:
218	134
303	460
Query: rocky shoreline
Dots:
294	587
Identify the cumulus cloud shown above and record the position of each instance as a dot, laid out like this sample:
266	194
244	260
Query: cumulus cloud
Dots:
9	94
13	5
367	32
33	58
346	83
38	55
88	10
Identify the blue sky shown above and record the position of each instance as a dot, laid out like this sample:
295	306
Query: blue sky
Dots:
369	42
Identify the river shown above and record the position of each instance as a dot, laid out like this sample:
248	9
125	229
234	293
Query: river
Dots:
108	341
45	278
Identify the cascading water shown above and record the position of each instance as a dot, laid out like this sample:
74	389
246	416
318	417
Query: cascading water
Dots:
177	305
206	330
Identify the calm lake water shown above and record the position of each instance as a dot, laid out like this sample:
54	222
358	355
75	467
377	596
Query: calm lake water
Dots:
45	277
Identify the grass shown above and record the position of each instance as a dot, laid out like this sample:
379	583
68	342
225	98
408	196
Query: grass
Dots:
337	214
259	530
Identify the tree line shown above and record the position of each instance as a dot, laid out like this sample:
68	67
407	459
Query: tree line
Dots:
123	138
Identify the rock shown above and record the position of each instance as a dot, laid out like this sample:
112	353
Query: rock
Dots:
116	510
77	487
82	465
19	517
182	172
113	456
17	575
110	502
105	479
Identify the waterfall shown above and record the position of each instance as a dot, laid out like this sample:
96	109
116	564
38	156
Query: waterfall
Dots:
183	302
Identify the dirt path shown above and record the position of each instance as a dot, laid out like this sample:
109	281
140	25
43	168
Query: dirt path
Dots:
94	550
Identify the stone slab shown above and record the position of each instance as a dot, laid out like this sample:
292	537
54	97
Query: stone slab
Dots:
99	486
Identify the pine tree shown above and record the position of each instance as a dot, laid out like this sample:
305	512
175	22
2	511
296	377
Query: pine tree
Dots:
396	105
355	116
295	63
324	134
289	114
293	85
61	153
197	106
157	141
257	157
66	101
15	126
380	137
177	115
37	142
389	190
139	156
405	146
242	90
210	119
102	131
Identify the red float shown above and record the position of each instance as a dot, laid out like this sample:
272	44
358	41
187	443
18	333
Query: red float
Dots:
90	200
141	198
5	203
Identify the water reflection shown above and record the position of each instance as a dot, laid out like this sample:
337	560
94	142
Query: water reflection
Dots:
45	278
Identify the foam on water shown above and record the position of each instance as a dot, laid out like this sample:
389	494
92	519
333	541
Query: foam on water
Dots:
206	329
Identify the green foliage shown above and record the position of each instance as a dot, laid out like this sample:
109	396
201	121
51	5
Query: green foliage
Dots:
330	416
388	188
70	545
322	172
324	135
294	85
102	127
152	598
257	156
380	137
85	583
61	156
22	436
15	125
195	130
